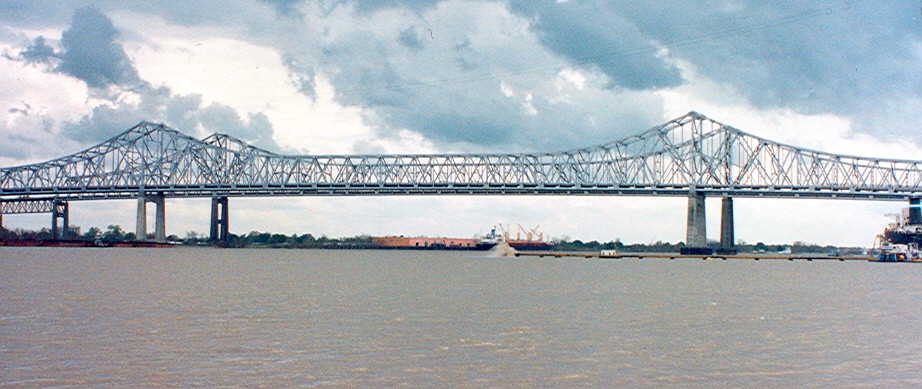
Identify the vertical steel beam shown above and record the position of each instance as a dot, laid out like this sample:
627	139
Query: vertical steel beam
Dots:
727	235
696	227
141	222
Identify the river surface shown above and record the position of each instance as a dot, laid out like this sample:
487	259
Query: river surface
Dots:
189	317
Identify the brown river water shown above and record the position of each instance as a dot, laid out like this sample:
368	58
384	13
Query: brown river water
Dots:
195	317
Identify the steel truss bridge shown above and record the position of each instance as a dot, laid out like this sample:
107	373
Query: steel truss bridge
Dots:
689	156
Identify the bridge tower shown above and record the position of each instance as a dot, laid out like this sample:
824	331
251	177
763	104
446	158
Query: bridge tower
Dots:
915	210
727	235
160	217
219	220
59	210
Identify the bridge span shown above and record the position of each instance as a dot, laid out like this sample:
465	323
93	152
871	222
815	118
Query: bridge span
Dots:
691	156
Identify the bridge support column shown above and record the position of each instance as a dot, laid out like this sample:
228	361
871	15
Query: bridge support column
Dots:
696	229
59	210
140	229
159	217
915	210
727	235
219	220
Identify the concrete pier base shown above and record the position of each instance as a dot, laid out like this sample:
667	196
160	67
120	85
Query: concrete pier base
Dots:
220	231
159	217
696	229
727	234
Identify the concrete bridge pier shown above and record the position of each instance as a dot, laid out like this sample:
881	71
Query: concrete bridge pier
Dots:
159	217
160	221
59	210
219	220
727	234
140	229
696	228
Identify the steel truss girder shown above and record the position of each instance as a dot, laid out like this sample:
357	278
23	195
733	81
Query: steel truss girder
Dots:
28	206
690	153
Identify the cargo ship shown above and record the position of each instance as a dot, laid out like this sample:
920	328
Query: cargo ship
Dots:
483	243
430	243
533	238
901	240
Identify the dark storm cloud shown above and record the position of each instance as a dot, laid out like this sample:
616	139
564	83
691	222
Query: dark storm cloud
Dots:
858	59
257	130
370	6
594	34
285	7
806	55
38	52
91	54
850	58
474	85
183	112
410	38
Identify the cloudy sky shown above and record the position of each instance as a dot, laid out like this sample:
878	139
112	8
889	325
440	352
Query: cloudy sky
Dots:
403	76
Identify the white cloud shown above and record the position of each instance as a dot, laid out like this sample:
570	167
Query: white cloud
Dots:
32	104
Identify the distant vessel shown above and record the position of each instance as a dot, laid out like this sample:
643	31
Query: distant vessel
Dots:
901	240
430	243
533	240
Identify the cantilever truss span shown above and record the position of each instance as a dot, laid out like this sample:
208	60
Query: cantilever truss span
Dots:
689	154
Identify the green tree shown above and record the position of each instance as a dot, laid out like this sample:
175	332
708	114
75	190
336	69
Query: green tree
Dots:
114	232
92	233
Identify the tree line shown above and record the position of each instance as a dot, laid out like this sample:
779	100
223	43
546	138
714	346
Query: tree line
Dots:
115	233
667	247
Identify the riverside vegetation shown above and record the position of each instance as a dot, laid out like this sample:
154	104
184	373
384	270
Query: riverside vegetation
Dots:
256	239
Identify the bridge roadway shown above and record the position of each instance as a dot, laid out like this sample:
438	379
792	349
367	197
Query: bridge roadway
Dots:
691	156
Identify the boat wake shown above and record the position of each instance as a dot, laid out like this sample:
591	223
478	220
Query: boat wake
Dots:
502	249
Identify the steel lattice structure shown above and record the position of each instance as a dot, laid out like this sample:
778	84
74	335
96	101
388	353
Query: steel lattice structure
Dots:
27	206
689	154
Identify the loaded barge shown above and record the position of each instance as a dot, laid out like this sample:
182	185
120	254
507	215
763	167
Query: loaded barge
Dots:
533	240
